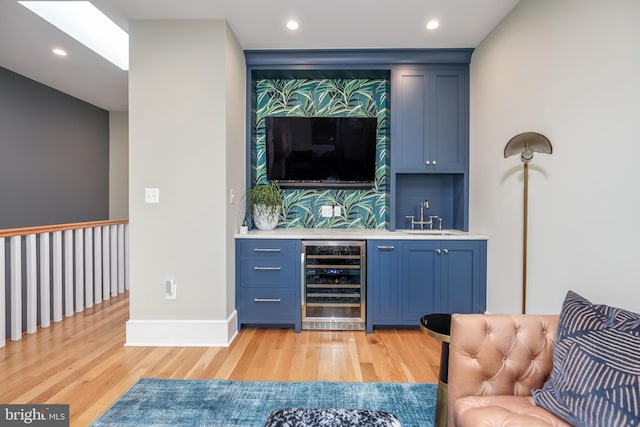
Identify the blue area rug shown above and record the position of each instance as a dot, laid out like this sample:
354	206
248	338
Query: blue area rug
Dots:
223	403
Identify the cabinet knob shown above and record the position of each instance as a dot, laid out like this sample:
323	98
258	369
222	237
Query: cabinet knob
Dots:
446	251
438	251
428	162
433	162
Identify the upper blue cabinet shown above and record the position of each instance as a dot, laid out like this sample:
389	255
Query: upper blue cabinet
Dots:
429	131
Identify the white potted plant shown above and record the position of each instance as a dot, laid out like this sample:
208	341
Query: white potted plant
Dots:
265	203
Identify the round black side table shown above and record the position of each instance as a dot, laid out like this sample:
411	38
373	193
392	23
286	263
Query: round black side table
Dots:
438	326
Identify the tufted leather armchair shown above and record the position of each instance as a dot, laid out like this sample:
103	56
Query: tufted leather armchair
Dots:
494	362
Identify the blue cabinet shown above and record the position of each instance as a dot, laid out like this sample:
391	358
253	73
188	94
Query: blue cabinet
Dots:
268	282
383	273
430	124
420	281
463	276
408	279
430	143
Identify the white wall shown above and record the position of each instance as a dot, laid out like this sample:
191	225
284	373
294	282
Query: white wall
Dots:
236	153
183	131
118	165
569	69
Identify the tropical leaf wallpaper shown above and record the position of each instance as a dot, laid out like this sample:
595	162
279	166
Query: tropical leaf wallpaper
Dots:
327	98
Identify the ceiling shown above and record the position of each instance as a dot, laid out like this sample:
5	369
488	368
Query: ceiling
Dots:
26	40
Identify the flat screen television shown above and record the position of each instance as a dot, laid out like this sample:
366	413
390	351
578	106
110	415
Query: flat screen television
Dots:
321	151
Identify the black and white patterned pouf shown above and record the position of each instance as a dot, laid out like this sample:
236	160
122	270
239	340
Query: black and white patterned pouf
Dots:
310	417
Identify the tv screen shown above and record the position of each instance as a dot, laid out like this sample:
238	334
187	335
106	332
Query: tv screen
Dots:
321	151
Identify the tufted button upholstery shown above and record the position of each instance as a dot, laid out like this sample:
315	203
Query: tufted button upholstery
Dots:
500	356
499	411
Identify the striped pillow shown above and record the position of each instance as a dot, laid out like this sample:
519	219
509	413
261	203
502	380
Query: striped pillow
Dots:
595	379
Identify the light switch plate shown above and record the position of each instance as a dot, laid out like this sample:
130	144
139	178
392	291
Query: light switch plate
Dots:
152	195
326	211
169	289
337	211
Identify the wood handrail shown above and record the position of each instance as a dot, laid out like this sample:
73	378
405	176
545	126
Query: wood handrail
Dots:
10	232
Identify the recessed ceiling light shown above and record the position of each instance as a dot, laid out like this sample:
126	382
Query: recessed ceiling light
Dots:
59	52
432	25
293	25
82	21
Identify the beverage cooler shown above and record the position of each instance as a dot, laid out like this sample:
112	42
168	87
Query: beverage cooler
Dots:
334	285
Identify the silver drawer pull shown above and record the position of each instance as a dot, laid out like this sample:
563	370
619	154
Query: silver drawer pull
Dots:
267	268
267	299
386	248
267	250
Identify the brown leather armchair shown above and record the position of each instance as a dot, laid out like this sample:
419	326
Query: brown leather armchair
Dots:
494	362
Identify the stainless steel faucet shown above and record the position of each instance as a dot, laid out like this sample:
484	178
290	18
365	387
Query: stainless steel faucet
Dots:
424	205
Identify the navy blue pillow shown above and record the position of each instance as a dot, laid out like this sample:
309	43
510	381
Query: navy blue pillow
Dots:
595	379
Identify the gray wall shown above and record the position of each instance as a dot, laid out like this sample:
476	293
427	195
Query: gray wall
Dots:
54	156
118	165
187	138
571	70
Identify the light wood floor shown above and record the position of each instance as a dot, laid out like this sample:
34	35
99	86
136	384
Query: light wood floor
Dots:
82	360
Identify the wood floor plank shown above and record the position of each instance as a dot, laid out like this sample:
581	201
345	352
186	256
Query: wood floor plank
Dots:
83	361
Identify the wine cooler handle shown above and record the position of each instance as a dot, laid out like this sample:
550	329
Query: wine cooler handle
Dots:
302	280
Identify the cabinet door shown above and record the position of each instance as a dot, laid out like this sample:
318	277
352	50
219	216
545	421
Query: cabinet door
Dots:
410	120
463	285
448	133
420	280
384	283
429	129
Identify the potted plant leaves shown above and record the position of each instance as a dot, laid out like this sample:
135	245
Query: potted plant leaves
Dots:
265	203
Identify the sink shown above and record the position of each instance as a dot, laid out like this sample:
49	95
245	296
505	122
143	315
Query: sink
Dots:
434	232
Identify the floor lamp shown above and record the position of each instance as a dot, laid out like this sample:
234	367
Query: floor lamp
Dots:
526	144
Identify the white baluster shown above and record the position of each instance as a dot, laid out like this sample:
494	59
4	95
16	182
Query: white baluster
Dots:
3	313
126	256
120	258
32	284
97	267
79	264
16	288
45	281
114	261
68	273
57	276
106	269
88	267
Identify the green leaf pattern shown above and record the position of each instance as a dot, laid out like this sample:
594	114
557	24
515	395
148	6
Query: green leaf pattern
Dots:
327	98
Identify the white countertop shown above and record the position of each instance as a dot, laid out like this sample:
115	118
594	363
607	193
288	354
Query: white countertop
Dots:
363	234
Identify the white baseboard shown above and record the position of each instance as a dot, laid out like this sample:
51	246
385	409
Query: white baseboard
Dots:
182	333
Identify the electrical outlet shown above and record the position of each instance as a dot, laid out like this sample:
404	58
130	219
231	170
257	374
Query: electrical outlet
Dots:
152	195
326	211
169	289
337	211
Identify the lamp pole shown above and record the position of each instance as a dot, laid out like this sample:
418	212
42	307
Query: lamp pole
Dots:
525	221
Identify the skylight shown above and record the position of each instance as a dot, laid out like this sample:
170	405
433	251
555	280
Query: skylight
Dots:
85	23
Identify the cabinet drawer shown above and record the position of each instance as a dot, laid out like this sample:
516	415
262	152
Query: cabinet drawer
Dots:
269	271
268	247
268	306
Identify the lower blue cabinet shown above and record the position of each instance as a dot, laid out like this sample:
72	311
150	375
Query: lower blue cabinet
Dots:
268	282
406	279
410	278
